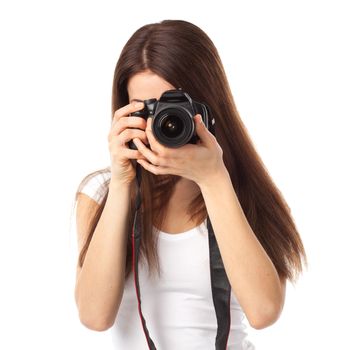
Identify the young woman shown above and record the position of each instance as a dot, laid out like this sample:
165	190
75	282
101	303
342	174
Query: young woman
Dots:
220	176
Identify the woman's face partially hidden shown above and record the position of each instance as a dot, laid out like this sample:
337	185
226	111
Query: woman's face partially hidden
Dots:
148	85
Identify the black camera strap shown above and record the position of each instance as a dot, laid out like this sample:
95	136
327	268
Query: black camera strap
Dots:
221	288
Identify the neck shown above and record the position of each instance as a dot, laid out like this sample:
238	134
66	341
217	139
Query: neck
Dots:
185	190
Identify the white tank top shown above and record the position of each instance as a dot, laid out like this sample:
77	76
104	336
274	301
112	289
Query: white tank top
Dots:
177	306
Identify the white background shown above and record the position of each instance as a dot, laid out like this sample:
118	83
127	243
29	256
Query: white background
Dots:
288	66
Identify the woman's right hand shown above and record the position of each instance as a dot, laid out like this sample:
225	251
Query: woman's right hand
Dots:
120	134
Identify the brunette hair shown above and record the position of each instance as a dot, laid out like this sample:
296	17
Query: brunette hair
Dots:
184	55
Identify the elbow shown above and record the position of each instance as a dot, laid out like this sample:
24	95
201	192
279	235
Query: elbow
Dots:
95	324
266	317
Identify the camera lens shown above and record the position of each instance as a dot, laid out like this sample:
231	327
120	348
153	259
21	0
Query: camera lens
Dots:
171	126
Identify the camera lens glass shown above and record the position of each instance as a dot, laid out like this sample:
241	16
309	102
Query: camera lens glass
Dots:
171	126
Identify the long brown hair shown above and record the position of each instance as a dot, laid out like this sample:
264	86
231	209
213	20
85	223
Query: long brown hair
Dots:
183	54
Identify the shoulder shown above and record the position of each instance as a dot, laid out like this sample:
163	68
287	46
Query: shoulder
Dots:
95	184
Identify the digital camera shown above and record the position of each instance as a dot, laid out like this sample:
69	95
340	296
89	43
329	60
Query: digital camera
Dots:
172	118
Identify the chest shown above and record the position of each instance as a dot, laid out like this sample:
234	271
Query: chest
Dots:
177	219
177	222
184	267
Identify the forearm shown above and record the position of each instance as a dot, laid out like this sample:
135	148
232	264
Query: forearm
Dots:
100	285
249	269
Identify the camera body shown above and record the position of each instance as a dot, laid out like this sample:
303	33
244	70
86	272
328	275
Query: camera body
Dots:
172	118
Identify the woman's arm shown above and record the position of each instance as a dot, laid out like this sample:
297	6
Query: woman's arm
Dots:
100	281
249	269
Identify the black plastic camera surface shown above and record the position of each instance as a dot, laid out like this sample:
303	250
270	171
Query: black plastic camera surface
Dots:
172	118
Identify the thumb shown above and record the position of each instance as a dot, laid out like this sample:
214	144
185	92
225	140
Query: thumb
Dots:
201	129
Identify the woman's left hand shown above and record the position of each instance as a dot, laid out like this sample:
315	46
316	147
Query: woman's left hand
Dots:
199	162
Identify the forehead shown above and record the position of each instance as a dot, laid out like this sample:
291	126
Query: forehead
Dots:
147	85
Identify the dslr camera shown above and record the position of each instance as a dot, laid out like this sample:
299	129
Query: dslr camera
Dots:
172	118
